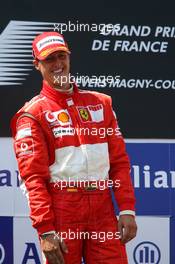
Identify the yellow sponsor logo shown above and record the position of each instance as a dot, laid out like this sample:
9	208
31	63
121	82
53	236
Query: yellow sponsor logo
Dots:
63	117
45	52
72	189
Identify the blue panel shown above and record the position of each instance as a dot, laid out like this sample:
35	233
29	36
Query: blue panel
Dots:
151	177
6	240
172	219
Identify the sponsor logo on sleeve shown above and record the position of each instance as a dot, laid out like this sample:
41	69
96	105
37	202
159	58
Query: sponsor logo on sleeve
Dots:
24	131
24	147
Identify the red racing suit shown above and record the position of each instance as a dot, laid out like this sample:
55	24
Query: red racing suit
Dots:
74	137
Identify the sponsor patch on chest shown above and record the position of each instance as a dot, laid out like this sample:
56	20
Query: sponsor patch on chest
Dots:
91	113
60	117
63	131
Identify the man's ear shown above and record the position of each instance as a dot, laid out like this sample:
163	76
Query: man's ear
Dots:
36	64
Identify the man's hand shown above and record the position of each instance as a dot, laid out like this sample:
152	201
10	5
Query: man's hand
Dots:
52	247
127	228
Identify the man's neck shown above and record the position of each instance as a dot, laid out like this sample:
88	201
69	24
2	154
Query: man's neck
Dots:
66	91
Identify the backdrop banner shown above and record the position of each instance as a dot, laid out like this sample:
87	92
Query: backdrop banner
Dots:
153	175
132	62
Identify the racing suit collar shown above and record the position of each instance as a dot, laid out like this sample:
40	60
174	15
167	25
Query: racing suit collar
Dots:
55	95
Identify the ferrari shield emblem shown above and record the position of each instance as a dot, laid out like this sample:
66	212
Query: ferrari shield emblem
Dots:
84	114
91	113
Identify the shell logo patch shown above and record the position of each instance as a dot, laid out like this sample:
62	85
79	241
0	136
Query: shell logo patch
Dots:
60	117
63	117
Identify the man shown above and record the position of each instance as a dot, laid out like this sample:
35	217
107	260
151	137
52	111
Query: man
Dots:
57	152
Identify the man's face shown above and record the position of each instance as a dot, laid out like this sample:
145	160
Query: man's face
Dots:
55	69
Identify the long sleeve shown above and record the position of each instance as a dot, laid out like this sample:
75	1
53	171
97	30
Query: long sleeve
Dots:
33	162
119	166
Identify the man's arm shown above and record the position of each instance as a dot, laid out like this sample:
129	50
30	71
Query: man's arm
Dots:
33	163
120	173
